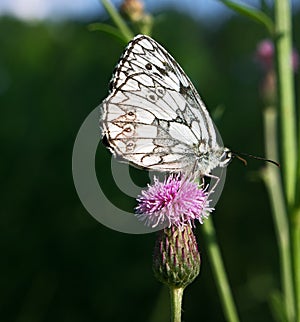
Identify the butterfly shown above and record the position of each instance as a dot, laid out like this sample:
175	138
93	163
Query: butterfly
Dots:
153	116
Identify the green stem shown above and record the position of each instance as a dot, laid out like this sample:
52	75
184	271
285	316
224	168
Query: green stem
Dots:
272	178
295	224
286	96
118	20
283	27
296	253
219	272
176	301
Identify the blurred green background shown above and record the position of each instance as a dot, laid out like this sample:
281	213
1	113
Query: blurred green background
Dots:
60	264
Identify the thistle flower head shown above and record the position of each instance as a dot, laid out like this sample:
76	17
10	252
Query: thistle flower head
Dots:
176	201
176	259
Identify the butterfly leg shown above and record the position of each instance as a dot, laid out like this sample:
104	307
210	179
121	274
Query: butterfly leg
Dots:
211	176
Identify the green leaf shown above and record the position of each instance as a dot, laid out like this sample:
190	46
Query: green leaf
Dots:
115	32
252	13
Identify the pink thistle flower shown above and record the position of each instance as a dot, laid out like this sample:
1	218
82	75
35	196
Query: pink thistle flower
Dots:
177	201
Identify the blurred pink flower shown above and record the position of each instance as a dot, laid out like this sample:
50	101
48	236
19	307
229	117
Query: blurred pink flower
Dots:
265	55
177	201
295	59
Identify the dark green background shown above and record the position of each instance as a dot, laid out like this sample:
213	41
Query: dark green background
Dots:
58	263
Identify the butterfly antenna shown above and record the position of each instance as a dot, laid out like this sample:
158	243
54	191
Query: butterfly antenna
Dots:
237	155
240	158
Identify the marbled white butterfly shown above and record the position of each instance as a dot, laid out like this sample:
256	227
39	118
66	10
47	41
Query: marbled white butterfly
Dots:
154	118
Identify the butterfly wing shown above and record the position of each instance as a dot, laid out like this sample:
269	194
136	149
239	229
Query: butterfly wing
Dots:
153	116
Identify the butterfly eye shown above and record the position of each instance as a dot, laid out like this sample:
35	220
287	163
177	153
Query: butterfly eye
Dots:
226	157
148	66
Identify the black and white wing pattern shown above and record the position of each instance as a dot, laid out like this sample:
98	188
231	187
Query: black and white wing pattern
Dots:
154	118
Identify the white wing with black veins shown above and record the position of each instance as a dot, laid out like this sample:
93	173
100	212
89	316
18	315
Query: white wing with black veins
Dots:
154	117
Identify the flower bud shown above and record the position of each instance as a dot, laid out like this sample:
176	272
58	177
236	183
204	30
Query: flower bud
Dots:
176	259
133	9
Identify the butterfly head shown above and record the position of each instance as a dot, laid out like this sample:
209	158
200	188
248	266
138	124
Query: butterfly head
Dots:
213	158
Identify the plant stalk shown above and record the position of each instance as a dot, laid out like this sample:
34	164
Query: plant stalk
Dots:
296	253
283	27
118	20
219	272
176	295
272	178
286	97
